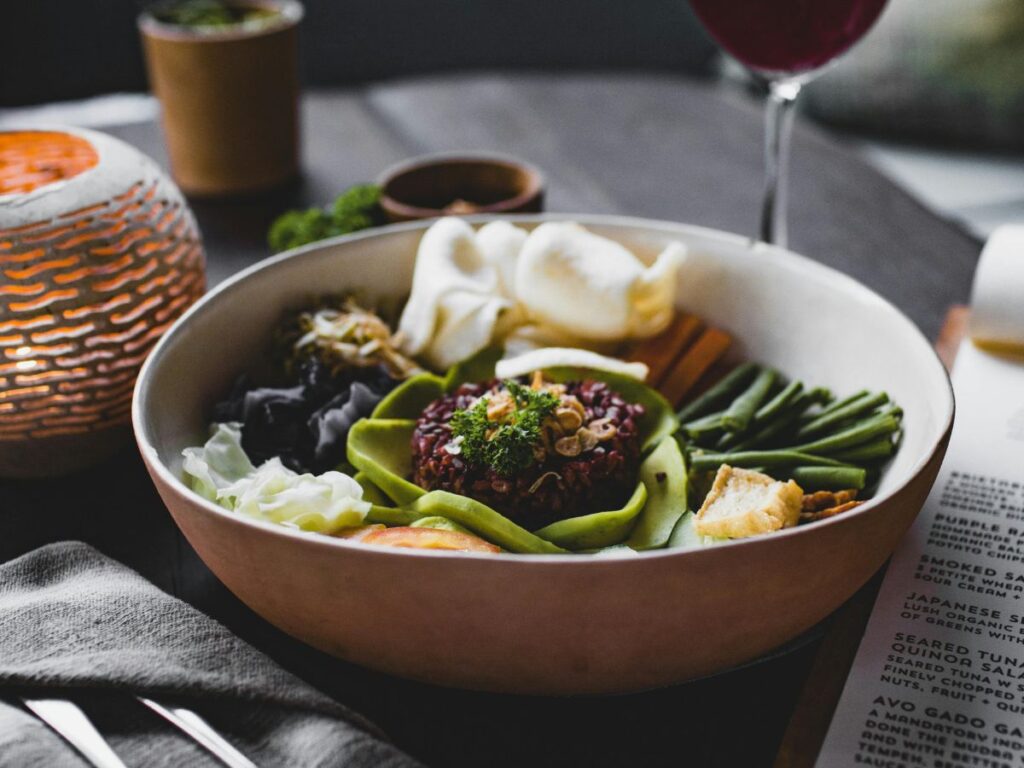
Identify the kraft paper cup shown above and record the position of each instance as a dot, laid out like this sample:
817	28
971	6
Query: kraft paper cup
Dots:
229	100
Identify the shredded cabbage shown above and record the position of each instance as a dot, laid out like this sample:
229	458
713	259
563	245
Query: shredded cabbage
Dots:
221	471
218	463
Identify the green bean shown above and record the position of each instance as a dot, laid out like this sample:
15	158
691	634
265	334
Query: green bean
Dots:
766	413
720	393
879	449
805	400
893	410
789	417
828	478
738	415
725	441
859	433
711	461
777	404
820	395
703	426
836	405
766	435
852	410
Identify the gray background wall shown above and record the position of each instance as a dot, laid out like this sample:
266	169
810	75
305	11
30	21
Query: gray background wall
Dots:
63	49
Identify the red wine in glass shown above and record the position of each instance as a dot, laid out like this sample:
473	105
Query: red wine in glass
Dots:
785	43
787	36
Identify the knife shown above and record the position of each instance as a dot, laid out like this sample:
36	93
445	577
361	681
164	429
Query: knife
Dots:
194	726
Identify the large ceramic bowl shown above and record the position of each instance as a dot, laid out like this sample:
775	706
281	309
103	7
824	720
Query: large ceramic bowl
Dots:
556	624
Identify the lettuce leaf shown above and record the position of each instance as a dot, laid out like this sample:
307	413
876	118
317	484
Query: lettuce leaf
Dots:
220	471
218	463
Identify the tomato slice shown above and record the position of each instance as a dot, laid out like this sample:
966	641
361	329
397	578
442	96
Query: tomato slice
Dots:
357	532
428	538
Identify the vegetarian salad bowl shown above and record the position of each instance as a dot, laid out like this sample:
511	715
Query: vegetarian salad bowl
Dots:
575	518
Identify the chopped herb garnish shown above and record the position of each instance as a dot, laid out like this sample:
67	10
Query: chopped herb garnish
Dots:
506	443
356	208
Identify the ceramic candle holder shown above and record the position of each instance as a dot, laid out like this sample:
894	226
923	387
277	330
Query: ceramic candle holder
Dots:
99	254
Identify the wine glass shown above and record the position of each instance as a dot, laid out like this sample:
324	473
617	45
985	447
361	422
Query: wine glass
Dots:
784	43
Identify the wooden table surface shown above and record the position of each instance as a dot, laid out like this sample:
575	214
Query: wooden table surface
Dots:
642	145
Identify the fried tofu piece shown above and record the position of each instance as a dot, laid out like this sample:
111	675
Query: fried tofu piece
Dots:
819	500
822	504
821	514
743	503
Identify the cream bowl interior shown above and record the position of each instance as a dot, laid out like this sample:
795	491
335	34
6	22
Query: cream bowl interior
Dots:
806	319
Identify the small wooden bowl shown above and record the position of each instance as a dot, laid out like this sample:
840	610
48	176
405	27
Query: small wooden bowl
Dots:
441	185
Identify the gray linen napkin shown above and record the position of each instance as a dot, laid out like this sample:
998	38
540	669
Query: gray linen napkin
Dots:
75	624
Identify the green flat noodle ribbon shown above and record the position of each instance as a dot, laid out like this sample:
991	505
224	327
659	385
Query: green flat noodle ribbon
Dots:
379	447
663	473
484	522
597	530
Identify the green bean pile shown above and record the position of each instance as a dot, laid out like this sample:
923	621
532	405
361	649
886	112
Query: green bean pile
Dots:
753	418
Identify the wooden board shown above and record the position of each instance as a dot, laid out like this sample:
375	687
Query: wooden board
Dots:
809	723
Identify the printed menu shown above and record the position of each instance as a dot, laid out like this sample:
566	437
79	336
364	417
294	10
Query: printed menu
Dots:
938	679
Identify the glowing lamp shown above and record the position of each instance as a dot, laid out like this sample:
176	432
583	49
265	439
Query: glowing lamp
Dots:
99	254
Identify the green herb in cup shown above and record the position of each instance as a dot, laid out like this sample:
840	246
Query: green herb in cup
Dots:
211	13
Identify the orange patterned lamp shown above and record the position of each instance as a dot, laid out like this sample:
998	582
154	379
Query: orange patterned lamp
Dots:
99	254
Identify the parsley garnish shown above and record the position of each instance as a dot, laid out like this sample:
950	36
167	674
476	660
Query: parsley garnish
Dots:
505	445
356	208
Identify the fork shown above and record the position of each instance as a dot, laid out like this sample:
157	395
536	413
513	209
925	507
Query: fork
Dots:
68	720
72	723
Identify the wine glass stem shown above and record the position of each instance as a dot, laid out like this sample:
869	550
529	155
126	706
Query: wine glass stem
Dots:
778	124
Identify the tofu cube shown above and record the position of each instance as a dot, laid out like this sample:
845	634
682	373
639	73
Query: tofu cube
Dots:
743	503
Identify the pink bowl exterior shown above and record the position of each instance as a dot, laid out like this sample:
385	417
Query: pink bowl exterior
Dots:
476	622
557	625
